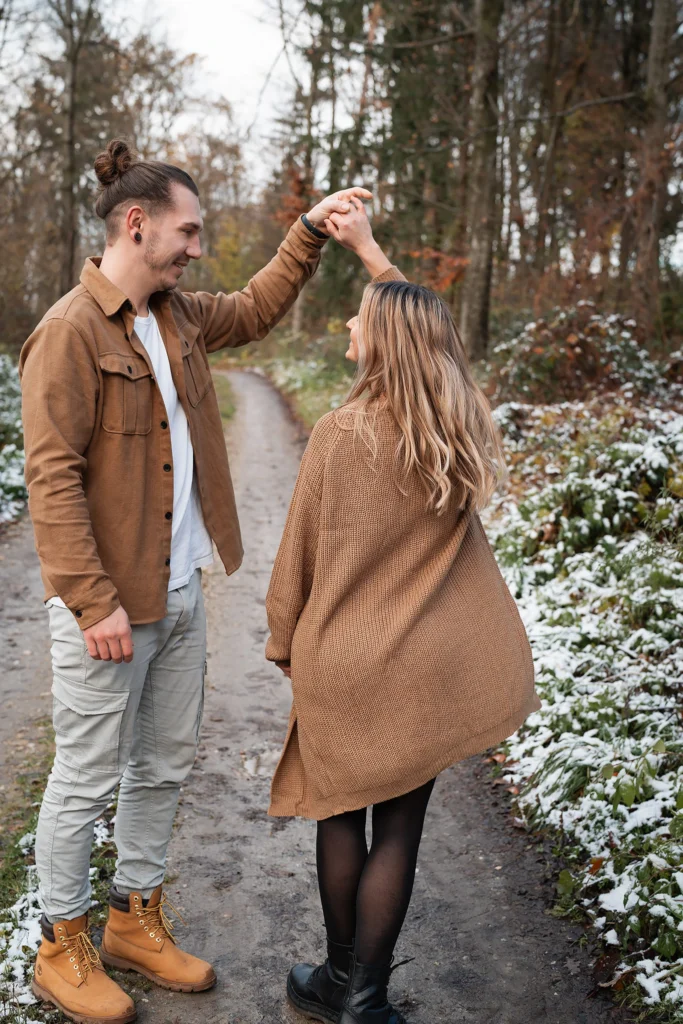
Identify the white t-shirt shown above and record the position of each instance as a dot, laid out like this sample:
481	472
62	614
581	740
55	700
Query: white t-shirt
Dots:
190	542
191	546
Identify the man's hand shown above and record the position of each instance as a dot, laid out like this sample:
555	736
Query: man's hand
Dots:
110	639
286	667
353	231
338	202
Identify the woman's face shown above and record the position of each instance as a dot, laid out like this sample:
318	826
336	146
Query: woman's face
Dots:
352	350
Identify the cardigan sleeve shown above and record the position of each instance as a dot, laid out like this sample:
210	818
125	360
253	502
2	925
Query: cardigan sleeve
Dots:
392	273
294	569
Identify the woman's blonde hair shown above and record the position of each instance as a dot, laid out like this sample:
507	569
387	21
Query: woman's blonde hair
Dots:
411	358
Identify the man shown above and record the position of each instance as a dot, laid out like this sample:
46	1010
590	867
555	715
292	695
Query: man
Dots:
128	486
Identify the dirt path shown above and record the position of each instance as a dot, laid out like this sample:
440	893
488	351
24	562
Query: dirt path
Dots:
486	950
24	649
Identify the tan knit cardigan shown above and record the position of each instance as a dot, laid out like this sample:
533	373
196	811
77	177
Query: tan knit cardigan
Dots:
407	649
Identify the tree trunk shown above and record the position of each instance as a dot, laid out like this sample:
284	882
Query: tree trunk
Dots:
481	217
76	25
69	221
654	170
298	314
635	30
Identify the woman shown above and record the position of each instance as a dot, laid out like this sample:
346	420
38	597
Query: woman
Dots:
389	614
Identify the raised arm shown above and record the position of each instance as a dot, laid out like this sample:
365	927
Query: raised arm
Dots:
353	231
230	320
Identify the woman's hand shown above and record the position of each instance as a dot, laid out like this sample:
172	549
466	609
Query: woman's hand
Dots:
353	231
338	202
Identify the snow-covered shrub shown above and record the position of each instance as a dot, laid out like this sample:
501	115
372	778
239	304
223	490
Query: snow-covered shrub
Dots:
602	490
591	549
573	353
12	489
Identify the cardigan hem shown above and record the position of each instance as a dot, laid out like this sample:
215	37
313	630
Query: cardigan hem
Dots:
285	806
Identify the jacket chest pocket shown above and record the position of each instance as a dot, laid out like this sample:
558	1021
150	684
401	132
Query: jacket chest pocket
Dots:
127	394
196	369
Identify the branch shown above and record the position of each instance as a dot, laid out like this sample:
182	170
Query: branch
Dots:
466	139
580	106
466	21
287	38
674	79
557	114
388	185
443	38
285	50
521	22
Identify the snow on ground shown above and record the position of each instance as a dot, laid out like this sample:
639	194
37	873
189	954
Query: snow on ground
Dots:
12	489
20	933
591	550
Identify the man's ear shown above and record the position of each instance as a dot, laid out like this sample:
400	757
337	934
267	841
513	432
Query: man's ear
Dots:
135	220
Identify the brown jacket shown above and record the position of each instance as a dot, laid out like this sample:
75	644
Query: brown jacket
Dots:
407	649
98	449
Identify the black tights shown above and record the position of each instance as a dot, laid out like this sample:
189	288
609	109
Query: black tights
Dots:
365	895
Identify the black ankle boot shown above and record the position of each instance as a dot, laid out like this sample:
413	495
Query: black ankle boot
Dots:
318	992
365	1001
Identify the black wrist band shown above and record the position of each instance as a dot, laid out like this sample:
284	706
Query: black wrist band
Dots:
314	231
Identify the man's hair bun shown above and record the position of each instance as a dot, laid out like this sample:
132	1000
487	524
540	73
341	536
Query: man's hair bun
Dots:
124	179
113	162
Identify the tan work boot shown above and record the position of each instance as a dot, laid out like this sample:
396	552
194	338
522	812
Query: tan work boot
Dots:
138	938
70	975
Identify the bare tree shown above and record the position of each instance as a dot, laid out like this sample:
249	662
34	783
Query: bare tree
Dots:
655	165
75	23
481	219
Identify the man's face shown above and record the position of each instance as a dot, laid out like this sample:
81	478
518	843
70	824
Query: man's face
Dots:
173	239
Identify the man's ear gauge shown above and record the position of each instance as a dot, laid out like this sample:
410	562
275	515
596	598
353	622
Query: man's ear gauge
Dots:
137	236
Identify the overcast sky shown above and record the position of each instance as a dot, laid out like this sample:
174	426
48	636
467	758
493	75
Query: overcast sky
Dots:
239	41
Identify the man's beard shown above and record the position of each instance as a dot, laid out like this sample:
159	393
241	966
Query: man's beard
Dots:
154	261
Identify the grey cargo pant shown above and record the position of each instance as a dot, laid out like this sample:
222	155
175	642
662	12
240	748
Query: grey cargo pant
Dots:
137	725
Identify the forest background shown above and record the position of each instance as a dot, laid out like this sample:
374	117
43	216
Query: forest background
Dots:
522	154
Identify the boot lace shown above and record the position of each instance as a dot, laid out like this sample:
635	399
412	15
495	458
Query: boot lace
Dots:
401	963
157	920
83	954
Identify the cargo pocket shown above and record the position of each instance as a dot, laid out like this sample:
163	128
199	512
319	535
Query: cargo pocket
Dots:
195	365
87	723
127	394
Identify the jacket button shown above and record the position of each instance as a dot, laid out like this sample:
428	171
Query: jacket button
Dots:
130	369
169	515
78	614
164	424
168	561
167	468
